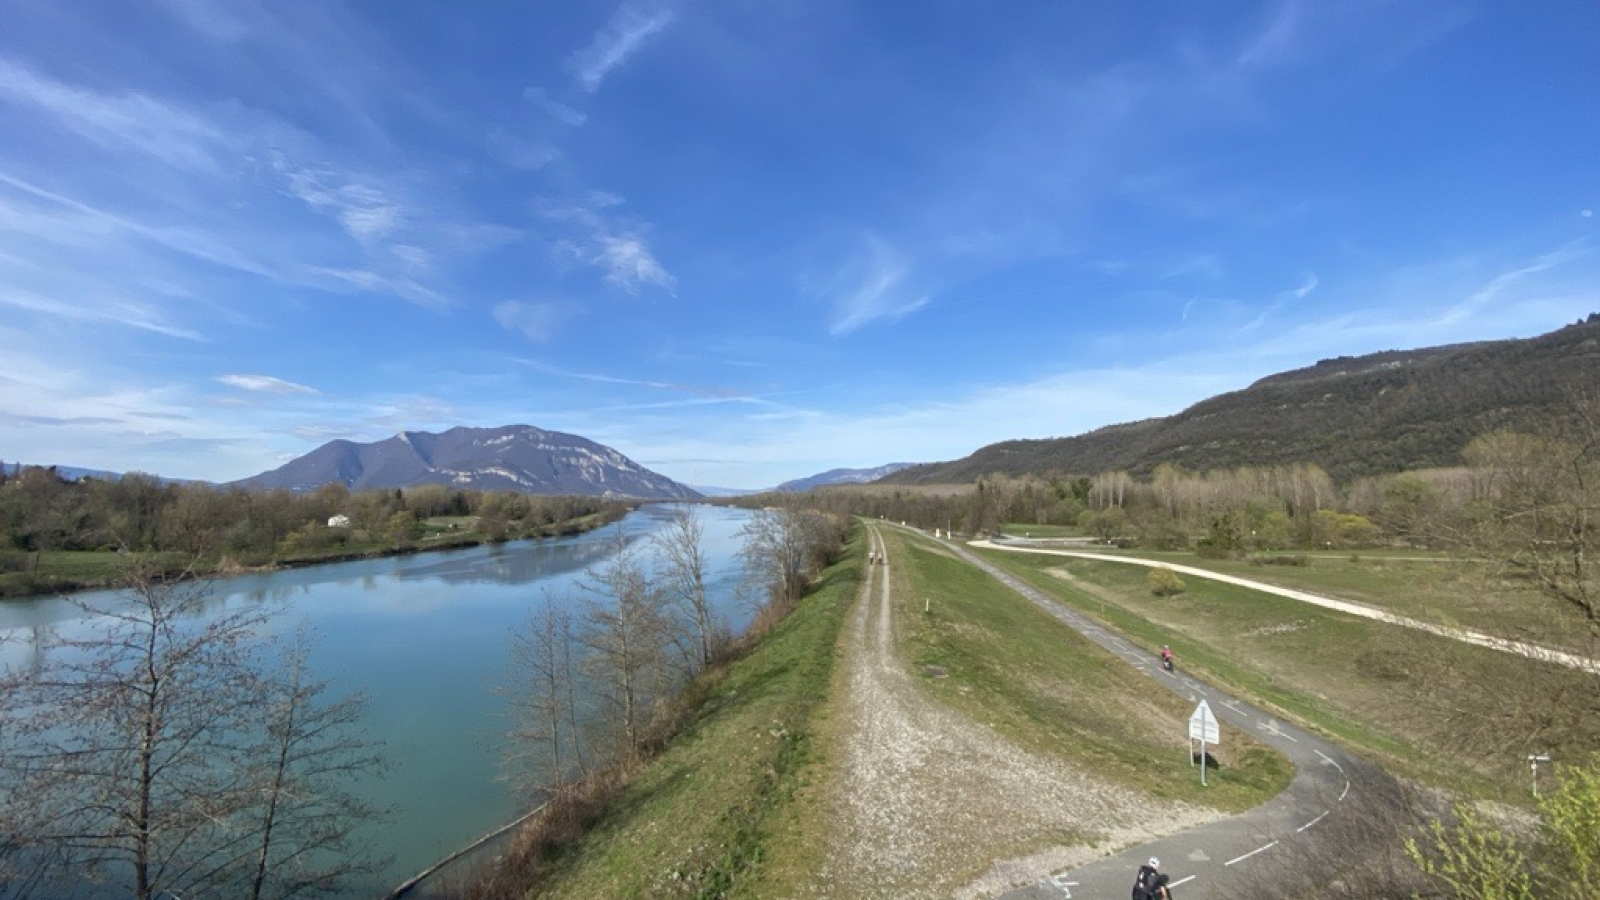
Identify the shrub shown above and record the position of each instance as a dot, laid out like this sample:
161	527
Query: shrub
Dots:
1164	582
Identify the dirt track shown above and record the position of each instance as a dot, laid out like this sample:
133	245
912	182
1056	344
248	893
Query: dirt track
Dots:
930	803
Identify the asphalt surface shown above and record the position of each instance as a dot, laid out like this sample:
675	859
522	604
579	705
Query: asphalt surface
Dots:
1202	861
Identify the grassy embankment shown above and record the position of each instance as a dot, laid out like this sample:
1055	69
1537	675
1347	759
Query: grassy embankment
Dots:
704	818
989	652
740	805
1427	707
62	571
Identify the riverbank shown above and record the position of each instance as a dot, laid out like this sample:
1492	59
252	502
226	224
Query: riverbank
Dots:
74	571
845	756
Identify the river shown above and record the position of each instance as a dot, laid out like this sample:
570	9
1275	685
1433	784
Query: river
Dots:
426	636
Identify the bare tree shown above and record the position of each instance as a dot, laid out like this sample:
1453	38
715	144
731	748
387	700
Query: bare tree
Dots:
153	754
625	635
304	813
785	546
680	549
1537	509
545	740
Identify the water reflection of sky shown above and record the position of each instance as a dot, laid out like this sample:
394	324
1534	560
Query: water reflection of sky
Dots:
426	637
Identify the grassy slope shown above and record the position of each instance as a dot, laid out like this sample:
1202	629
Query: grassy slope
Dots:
1431	587
1005	662
702	818
741	803
1415	702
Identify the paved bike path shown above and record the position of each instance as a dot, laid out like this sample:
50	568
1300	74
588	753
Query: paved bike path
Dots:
1201	859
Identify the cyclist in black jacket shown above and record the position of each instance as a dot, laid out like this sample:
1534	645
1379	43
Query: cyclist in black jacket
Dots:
1151	882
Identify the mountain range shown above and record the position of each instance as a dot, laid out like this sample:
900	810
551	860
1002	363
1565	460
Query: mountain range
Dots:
1353	416
517	458
842	476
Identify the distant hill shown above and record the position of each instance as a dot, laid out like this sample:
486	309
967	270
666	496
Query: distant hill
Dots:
75	473
1353	416
514	458
842	476
707	491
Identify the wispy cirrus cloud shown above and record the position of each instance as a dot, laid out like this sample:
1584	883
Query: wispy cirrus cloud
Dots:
1308	284
117	120
1498	285
266	384
535	321
610	241
628	29
716	393
1276	41
114	310
871	289
555	109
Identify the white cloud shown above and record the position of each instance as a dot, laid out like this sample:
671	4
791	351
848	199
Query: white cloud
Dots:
1492	290
114	310
1307	285
554	108
265	384
629	263
119	120
365	212
622	36
872	290
535	321
609	242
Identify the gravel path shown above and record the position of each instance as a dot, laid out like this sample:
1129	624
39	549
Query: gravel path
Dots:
933	804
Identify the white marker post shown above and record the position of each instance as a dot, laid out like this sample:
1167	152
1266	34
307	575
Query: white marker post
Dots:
1533	763
1203	728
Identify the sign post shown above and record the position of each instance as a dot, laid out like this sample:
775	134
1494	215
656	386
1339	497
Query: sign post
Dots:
1533	763
1203	728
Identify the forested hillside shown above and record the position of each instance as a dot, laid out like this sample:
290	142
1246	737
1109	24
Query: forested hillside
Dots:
1352	416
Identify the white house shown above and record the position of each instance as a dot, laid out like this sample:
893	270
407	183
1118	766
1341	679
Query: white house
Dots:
339	521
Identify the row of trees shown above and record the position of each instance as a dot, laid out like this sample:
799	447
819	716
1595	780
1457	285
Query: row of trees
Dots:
594	671
1532	500
174	751
40	511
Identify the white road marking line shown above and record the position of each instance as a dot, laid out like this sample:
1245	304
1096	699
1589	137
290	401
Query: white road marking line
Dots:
1251	853
1271	726
1184	880
1065	886
1312	822
1332	762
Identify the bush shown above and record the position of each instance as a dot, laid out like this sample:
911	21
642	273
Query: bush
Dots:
1164	582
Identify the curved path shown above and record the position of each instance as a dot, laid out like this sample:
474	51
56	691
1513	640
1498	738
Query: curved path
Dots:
1200	860
1465	635
926	795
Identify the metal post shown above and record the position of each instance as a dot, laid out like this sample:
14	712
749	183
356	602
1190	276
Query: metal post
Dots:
1533	763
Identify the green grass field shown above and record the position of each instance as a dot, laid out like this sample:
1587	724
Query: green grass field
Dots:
1008	663
739	805
719	811
1430	587
1424	706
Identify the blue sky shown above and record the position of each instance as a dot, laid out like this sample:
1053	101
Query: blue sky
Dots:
743	242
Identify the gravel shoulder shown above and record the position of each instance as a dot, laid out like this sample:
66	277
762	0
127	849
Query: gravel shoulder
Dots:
927	802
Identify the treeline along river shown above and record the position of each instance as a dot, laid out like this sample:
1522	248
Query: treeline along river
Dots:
426	637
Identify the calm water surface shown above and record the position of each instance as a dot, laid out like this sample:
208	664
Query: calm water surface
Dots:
427	637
